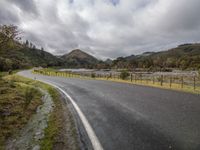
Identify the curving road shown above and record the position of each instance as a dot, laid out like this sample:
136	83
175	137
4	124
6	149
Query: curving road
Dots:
132	117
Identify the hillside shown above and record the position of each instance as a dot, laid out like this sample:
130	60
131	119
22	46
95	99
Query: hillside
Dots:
24	57
186	56
79	59
17	55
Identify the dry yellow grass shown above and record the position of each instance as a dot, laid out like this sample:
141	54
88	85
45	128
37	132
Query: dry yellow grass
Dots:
174	86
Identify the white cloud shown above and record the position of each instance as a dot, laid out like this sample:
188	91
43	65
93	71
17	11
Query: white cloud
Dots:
106	28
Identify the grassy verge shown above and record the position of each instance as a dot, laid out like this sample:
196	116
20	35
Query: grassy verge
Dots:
174	86
61	132
54	123
19	100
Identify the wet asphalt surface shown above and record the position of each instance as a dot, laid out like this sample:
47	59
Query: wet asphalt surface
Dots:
133	117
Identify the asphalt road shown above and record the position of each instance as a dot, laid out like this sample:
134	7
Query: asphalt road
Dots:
126	116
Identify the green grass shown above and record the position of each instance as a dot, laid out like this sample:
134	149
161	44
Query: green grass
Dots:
18	102
54	123
55	119
57	124
20	98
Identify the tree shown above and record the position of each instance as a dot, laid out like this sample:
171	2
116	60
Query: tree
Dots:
124	74
5	64
27	43
42	52
34	47
8	33
31	45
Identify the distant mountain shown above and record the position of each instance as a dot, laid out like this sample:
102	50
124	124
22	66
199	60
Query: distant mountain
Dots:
147	54
130	57
79	59
186	56
17	56
108	61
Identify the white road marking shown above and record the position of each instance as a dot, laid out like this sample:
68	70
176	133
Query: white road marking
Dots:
92	136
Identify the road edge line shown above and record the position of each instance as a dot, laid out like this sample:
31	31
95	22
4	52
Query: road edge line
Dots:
91	134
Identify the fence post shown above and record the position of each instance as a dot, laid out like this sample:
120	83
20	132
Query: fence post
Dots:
170	82
181	81
131	77
194	83
153	80
161	80
135	78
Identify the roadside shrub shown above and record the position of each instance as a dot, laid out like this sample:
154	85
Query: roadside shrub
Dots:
93	75
29	95
5	64
124	75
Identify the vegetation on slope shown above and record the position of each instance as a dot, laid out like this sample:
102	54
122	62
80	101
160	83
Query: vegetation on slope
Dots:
15	55
184	57
19	99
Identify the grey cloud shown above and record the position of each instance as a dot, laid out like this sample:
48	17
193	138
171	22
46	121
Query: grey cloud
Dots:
181	16
7	16
27	6
105	28
115	2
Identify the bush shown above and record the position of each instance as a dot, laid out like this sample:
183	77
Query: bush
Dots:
124	75
29	95
5	64
93	75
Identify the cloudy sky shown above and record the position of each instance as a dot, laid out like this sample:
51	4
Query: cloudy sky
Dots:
104	28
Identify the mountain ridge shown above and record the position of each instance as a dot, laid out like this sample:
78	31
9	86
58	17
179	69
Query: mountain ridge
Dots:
78	59
185	56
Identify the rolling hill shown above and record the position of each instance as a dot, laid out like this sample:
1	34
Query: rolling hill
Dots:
24	57
18	56
79	59
186	56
